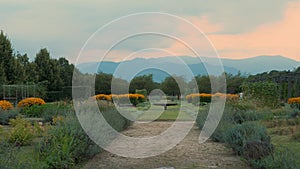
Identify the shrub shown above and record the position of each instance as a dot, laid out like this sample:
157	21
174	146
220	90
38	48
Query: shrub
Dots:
296	135
227	96
6	115
5	105
265	94
101	97
12	157
224	124
257	150
294	100
199	97
122	98
32	111
195	98
66	144
31	101
241	105
238	136
21	133
243	116
53	110
46	111
133	98
283	158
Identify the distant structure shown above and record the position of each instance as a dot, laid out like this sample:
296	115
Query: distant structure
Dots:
15	93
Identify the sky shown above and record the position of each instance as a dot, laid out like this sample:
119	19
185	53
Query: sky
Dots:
236	29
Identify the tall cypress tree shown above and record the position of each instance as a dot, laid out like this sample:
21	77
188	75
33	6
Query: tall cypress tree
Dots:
7	58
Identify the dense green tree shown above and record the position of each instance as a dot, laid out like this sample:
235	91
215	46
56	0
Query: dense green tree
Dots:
3	79
203	83
142	82
234	82
47	69
264	93
120	86
66	71
103	83
6	57
172	84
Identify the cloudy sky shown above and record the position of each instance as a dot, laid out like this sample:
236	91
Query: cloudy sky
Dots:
237	29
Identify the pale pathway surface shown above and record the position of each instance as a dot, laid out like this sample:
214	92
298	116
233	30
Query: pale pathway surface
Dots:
187	154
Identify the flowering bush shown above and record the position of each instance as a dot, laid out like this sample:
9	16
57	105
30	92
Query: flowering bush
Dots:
31	101
227	96
204	97
295	100
122	98
5	105
199	97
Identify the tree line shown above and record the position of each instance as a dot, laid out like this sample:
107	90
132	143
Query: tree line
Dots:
56	74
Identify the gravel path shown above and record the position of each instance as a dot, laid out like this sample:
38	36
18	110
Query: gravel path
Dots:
187	154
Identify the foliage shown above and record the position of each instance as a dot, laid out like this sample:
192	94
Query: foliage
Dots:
283	158
12	157
66	144
5	105
22	132
102	97
134	98
201	97
204	97
257	150
171	85
142	92
264	93
6	115
31	101
143	82
17	69
238	136
224	124
122	98
294	102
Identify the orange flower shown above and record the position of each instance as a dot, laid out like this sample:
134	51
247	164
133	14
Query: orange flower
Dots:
5	105
295	100
31	101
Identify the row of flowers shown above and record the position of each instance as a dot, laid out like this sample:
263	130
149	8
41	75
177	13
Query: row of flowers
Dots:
205	97
121	98
5	105
294	100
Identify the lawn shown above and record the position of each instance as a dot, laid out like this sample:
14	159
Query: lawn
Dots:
157	113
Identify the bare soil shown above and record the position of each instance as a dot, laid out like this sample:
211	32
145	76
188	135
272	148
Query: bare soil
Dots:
187	154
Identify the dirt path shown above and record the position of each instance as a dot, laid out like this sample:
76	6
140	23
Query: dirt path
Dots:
187	154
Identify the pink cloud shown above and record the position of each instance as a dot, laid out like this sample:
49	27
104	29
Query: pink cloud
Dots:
279	38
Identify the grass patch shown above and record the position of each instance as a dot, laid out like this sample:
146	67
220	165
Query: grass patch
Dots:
158	113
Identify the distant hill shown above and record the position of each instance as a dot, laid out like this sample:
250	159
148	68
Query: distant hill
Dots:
261	64
176	66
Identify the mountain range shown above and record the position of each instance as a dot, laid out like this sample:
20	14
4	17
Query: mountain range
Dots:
179	66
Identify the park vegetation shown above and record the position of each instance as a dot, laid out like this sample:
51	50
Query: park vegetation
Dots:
42	131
